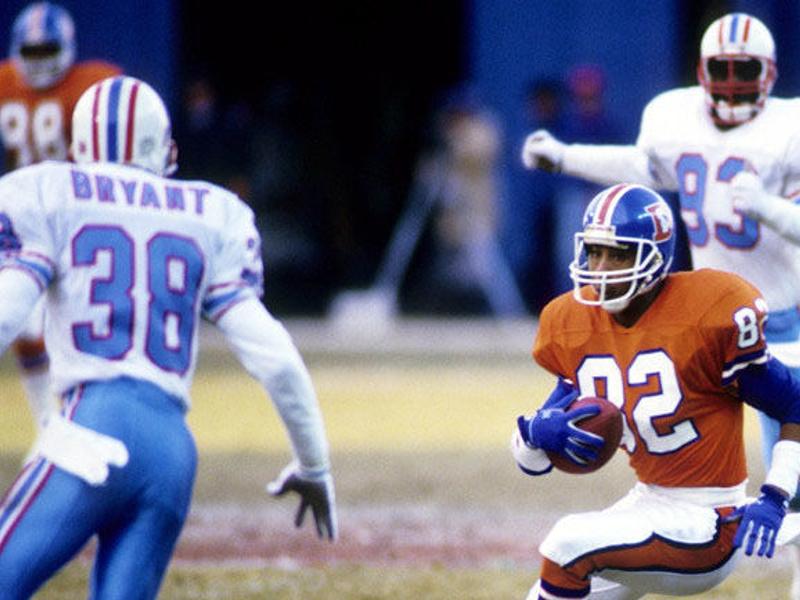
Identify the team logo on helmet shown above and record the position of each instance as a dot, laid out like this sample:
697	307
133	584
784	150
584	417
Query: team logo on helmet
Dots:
662	221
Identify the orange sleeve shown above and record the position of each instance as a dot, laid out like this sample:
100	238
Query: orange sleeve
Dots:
545	348
734	328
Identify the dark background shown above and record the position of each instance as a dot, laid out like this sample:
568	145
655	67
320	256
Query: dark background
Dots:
322	109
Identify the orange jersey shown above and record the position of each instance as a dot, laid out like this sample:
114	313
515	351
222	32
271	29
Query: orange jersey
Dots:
672	373
35	124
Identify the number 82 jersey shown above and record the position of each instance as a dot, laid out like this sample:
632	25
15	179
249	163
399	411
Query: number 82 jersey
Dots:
672	374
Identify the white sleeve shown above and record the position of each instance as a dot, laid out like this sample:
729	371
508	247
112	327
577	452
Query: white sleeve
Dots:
780	214
609	164
268	353
19	292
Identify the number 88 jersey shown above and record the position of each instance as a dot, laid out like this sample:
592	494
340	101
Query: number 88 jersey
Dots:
35	123
672	374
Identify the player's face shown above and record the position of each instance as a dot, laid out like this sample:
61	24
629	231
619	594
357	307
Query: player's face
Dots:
607	258
736	71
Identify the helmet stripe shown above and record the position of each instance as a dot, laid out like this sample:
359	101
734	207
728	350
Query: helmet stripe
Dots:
95	126
746	29
130	124
113	121
37	22
734	23
607	204
50	23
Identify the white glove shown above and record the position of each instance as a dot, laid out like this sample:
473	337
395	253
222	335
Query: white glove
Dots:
316	491
747	194
79	450
542	151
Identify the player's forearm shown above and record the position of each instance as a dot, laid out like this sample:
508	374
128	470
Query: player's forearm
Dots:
608	164
266	350
18	295
781	215
784	471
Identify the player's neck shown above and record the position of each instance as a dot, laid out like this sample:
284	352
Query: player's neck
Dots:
638	306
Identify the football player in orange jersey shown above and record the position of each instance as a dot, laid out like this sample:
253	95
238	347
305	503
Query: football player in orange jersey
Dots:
39	86
679	354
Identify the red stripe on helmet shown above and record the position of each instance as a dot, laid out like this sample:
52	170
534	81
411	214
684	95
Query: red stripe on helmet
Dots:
605	207
131	122
746	29
719	32
95	128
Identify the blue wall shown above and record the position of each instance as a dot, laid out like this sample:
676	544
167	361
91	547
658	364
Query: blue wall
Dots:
142	36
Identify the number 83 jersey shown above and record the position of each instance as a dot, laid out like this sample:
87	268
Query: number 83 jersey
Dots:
131	261
688	154
672	374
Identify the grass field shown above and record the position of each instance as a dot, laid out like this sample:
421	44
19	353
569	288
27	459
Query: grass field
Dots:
431	505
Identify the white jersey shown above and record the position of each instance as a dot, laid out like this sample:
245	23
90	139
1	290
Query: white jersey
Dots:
138	258
688	154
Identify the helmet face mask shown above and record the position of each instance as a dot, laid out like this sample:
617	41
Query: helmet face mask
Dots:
43	44
123	120
627	217
736	68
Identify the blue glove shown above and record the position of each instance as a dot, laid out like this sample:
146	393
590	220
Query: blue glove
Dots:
760	520
554	429
563	388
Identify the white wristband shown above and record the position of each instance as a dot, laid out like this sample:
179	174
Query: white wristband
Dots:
531	460
785	469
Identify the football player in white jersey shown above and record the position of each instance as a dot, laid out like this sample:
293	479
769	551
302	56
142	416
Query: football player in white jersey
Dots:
732	152
129	262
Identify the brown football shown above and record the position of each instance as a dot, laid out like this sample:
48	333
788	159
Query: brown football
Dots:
607	424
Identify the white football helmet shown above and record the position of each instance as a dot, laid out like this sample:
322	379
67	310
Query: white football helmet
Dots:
43	44
123	120
736	68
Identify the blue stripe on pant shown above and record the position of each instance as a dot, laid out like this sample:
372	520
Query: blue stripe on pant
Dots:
49	515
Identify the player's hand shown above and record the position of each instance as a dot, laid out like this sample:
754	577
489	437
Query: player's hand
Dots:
760	522
747	193
555	399
555	429
542	151
316	492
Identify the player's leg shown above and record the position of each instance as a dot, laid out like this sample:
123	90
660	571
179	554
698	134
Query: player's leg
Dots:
600	590
134	551
782	331
132	557
45	518
647	542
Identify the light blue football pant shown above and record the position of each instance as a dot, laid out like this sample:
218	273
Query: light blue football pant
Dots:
783	327
48	515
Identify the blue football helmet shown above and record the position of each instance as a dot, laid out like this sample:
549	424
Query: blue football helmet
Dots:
43	44
624	216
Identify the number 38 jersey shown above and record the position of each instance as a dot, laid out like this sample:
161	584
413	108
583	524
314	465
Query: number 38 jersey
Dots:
35	124
139	260
673	373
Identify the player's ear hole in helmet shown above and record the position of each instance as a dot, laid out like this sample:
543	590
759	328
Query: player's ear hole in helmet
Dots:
633	227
